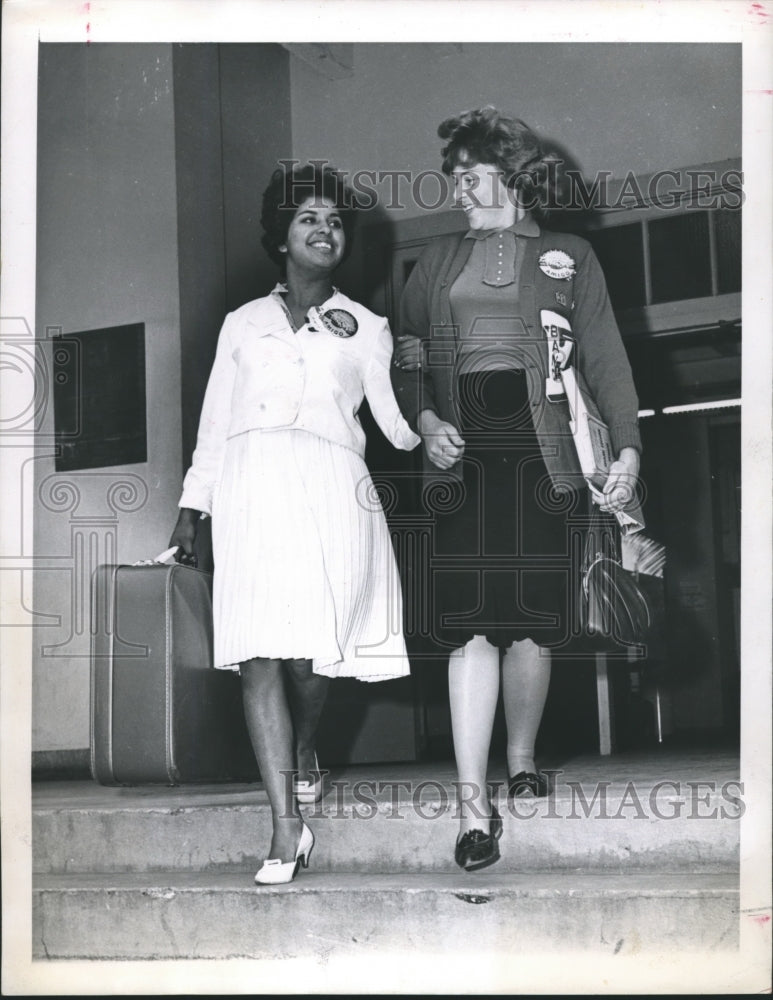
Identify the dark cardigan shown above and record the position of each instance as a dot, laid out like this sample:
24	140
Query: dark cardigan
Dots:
599	357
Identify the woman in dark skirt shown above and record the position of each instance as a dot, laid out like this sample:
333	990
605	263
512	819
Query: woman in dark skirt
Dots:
501	471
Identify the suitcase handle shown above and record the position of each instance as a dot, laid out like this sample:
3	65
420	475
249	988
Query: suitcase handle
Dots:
162	557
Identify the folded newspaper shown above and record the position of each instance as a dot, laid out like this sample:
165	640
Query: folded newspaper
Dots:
590	433
641	554
594	450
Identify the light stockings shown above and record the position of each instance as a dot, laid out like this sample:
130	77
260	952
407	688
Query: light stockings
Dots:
473	687
525	681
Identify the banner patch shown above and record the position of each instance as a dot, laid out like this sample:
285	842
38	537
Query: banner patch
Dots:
557	264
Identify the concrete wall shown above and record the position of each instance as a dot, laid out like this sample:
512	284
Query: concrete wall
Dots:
200	228
256	121
611	107
232	125
106	255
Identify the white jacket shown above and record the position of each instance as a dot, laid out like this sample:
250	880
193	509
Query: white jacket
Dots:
266	377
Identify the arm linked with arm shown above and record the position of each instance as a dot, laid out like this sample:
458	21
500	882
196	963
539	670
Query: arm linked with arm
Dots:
414	390
381	397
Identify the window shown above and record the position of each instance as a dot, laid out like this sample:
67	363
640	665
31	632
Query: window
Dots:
99	398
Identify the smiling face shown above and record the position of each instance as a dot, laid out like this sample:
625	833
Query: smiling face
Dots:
479	191
315	239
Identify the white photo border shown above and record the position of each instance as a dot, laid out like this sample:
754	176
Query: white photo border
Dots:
25	25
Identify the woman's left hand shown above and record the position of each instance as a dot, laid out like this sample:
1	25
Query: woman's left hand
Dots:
620	487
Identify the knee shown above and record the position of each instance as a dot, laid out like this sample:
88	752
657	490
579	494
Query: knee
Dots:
525	654
478	644
527	646
260	675
299	670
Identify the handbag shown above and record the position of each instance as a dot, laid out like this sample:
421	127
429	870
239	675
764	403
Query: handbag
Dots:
612	603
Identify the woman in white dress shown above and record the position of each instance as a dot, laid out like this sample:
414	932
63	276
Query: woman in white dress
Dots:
306	585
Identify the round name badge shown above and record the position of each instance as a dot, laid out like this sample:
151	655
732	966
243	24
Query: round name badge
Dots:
557	264
339	322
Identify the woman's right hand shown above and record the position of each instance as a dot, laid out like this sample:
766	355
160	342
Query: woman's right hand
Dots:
407	355
184	536
443	443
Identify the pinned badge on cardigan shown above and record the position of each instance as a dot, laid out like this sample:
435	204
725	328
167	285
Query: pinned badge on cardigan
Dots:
339	322
557	264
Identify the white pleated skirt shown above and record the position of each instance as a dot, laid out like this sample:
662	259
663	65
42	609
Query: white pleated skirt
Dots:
304	566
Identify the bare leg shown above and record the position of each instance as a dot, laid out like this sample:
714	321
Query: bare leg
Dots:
525	682
271	732
473	687
307	694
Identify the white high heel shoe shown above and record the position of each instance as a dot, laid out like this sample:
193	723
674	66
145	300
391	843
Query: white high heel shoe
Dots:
309	791
274	871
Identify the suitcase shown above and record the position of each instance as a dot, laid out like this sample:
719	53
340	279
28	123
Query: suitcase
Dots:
160	712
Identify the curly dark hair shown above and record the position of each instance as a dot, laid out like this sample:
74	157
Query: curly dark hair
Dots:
289	187
485	135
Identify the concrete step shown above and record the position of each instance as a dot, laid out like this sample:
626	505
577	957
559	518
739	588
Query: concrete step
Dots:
636	825
224	915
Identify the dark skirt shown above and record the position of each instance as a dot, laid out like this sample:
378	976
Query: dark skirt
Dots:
503	543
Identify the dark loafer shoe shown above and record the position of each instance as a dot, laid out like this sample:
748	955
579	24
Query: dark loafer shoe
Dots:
526	784
477	849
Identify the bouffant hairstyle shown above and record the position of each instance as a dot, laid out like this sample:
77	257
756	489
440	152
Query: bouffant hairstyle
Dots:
485	135
289	187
